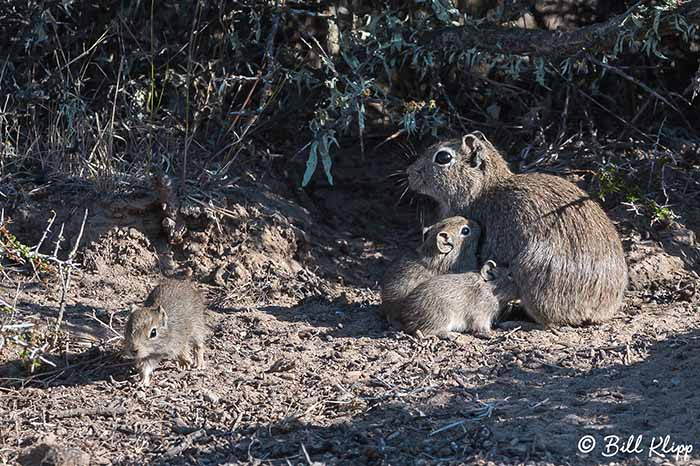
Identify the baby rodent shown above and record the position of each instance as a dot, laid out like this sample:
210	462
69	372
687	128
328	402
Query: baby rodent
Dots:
469	301
563	252
170	324
449	246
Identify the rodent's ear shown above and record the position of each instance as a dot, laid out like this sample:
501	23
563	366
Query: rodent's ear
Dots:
132	308
162	317
489	271
473	148
444	243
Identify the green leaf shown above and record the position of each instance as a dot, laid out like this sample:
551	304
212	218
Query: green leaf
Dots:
327	162
311	163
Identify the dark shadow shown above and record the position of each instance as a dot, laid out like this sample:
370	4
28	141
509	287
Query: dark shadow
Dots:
80	321
339	318
81	325
335	318
535	412
68	370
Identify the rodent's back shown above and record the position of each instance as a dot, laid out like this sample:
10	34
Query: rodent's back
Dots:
551	232
403	276
526	209
183	304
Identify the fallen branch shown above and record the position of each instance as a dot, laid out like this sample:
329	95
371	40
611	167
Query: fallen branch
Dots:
552	45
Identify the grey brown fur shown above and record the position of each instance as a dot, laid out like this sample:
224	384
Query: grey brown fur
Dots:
562	250
469	302
169	325
444	250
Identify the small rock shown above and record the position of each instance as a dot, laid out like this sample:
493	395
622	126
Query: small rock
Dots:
240	274
282	365
392	357
181	427
353	376
211	397
218	276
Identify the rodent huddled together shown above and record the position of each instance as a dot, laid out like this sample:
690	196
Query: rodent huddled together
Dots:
562	251
448	246
439	290
459	302
169	325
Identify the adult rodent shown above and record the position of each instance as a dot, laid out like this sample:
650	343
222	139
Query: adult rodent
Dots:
169	325
449	246
563	252
461	302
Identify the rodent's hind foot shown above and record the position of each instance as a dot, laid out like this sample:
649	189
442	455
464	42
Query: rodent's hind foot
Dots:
484	334
199	354
446	335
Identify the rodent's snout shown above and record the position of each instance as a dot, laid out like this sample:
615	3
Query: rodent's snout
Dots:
413	178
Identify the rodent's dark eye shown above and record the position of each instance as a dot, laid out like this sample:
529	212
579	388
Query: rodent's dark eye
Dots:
442	157
154	333
466	231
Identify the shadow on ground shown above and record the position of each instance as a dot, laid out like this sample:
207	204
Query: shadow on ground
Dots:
535	413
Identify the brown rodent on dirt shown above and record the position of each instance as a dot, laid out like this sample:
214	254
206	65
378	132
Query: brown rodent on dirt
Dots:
563	252
169	325
463	302
449	246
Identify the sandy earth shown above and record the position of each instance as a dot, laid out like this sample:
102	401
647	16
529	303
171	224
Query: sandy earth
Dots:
302	370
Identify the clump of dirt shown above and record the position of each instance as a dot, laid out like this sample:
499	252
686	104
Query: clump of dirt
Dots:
649	263
121	252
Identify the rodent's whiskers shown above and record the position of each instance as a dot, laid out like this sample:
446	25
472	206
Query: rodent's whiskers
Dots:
403	193
397	173
399	178
408	150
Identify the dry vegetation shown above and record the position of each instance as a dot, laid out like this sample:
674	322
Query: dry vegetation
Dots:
249	146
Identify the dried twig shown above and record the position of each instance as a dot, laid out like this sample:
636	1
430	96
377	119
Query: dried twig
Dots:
77	412
65	281
637	82
184	444
35	351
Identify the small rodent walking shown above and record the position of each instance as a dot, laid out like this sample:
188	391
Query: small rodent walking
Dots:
449	246
169	325
563	252
461	302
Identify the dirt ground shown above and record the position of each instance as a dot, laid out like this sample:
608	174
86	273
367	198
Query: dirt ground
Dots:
302	370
